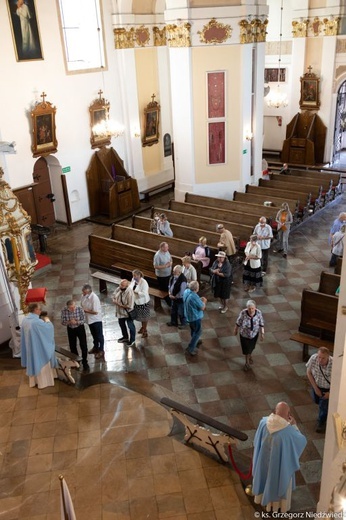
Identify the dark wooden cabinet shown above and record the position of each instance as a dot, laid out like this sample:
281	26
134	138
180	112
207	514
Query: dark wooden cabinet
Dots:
112	192
305	139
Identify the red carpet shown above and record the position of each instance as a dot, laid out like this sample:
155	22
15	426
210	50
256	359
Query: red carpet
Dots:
43	261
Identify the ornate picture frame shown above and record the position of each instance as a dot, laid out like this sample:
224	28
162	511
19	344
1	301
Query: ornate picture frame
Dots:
99	112
309	91
151	123
43	129
25	30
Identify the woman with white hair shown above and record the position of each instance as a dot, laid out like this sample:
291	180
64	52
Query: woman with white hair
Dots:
252	274
250	325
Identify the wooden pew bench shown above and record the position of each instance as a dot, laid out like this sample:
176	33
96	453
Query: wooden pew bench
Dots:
326	186
154	189
329	283
311	341
215	212
318	314
241	231
303	191
104	278
261	198
215	444
337	269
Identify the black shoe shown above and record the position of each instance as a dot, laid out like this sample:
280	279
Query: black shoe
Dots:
199	342
94	350
122	340
169	324
284	255
86	368
321	427
277	250
100	355
181	327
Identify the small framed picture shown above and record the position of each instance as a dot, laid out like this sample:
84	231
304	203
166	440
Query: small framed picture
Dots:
271	75
151	123
25	31
309	92
99	115
43	129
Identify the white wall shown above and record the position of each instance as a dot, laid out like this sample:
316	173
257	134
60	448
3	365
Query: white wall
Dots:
21	85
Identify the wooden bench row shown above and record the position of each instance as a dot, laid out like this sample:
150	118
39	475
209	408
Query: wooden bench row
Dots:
103	278
158	188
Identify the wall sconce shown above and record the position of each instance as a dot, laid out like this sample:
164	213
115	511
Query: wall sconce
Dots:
248	135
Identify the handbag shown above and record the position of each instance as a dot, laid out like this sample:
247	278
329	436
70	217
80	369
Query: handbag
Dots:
132	314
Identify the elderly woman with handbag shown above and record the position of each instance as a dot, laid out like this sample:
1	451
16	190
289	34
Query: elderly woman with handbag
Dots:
284	220
123	298
140	289
252	274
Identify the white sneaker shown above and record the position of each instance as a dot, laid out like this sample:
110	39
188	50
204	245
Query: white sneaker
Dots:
224	310
264	273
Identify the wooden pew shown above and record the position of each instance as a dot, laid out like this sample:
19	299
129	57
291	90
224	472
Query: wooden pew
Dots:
137	237
185	232
329	283
318	314
261	197
337	269
258	210
327	185
216	213
241	231
314	193
267	193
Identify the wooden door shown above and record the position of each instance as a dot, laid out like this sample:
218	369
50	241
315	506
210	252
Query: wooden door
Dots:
43	194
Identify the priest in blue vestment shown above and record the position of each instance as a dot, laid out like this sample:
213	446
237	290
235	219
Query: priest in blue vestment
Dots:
278	444
38	348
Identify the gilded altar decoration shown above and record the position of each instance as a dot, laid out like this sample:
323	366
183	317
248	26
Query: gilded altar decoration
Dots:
331	26
124	38
252	31
309	91
300	29
142	36
215	32
178	35
159	36
16	244
43	128
151	123
316	26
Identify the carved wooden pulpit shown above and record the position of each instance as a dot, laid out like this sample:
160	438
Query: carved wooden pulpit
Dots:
305	139
112	191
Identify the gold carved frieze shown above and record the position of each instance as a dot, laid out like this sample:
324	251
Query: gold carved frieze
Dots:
178	35
331	26
215	32
252	31
316	26
124	38
300	29
142	36
159	36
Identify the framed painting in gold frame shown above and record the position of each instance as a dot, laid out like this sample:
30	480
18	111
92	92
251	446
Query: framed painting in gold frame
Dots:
151	123
309	92
25	30
99	113
43	129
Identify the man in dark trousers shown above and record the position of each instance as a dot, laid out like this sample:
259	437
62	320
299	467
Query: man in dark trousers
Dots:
73	318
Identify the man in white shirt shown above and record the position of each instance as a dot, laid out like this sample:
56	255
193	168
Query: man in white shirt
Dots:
91	306
319	373
264	234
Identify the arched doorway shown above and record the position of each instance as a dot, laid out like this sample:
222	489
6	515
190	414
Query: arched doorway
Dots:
44	197
340	125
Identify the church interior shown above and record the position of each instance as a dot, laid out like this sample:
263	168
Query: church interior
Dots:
115	109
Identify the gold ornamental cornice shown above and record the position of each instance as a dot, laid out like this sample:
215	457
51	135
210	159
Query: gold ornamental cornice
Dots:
178	35
215	32
331	26
315	27
124	38
159	36
253	31
300	29
142	36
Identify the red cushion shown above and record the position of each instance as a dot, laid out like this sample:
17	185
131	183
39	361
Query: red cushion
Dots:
242	244
36	295
274	224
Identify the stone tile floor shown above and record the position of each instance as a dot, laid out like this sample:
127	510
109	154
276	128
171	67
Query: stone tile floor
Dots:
101	437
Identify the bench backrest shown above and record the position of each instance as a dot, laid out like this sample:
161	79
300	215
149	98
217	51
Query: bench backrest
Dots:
329	283
231	205
307	181
138	237
276	192
185	232
106	252
214	212
317	174
338	266
317	306
200	222
261	197
293	187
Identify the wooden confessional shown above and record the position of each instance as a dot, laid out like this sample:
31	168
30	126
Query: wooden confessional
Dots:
305	139
112	192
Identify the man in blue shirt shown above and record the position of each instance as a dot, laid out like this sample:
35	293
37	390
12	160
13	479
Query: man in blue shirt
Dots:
194	306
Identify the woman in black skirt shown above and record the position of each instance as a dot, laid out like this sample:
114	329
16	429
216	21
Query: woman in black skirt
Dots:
249	324
142	300
252	274
221	279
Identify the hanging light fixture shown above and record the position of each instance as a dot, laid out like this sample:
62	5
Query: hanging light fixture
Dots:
106	127
276	98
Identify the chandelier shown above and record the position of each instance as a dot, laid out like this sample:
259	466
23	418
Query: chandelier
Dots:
104	127
276	98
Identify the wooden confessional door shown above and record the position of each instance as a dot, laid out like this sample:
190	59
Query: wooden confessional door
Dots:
43	194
